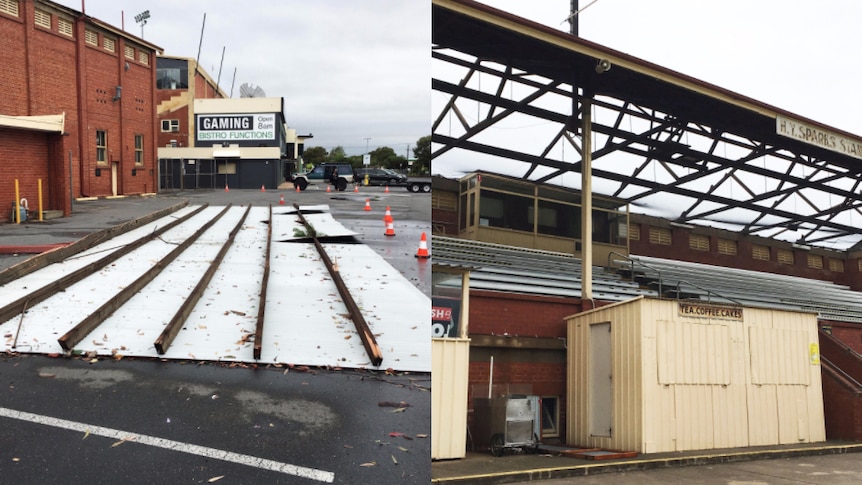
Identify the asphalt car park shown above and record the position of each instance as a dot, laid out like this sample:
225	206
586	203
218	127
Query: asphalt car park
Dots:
154	421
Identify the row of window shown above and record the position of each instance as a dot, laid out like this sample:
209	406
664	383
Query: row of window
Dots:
102	148
729	247
65	26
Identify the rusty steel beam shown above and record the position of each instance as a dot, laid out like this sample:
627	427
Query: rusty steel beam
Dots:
258	333
87	325
368	340
91	240
18	306
163	342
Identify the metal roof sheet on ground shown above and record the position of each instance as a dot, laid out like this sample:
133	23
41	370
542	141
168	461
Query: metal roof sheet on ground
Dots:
298	328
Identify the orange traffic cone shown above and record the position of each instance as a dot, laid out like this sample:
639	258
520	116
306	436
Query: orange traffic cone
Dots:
297	188
281	200
327	189
388	216
356	188
226	189
423	248
368	204
387	189
390	227
262	188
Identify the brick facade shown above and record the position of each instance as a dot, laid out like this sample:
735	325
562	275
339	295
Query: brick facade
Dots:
47	72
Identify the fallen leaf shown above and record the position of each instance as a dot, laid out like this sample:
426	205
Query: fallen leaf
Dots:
399	410
370	463
16	459
421	435
87	433
400	404
215	479
405	450
47	375
395	434
393	459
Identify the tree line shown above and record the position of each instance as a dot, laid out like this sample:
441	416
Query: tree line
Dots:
380	157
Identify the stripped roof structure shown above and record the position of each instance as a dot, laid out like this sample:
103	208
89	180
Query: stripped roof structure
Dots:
664	141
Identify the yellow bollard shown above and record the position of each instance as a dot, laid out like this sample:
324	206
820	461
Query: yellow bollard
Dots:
40	200
17	214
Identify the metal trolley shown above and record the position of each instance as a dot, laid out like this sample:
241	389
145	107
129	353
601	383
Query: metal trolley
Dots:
512	421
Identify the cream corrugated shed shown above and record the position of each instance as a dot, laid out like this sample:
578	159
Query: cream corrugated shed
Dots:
651	375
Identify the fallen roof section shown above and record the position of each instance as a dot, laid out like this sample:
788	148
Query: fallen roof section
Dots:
306	321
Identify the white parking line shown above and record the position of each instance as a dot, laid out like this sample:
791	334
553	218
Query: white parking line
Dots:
248	460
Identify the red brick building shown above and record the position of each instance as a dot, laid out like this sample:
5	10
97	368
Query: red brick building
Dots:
97	85
517	308
179	81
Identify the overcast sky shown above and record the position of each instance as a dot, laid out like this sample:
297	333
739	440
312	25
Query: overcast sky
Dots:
797	55
347	69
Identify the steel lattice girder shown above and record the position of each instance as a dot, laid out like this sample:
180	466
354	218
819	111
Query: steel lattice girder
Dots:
693	164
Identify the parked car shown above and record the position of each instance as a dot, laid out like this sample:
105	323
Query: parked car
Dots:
380	176
323	174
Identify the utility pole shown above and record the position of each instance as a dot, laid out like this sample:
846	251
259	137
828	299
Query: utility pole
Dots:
366	160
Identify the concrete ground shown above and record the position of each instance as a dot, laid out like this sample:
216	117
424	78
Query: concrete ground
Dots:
762	466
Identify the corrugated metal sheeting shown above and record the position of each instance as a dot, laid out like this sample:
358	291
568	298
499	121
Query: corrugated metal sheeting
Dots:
450	366
684	382
529	271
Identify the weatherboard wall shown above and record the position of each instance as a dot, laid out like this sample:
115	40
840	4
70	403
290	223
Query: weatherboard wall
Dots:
681	382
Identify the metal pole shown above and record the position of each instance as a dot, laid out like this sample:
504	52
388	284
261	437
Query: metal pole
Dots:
71	186
587	200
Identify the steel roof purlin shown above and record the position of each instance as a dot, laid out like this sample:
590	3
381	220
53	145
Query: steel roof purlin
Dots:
511	92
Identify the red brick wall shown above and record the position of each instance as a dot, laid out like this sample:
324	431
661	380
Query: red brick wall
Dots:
48	73
842	407
520	315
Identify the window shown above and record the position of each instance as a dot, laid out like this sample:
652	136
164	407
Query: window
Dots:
170	126
658	235
836	265
815	261
509	211
172	74
109	44
785	256
550	416
9	6
91	37
727	247
64	26
139	149
101	146
226	168
760	252
634	232
129	52
42	18
698	242
143	57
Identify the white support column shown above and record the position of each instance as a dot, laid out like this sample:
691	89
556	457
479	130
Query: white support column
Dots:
586	199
